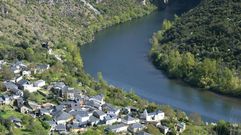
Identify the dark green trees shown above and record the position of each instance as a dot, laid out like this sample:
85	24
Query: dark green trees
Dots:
203	47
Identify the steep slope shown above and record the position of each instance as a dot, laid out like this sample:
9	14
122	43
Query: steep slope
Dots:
204	46
35	21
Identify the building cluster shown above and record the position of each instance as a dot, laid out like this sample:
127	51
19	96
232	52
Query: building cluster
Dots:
76	111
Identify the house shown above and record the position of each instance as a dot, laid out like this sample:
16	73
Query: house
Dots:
76	128
58	108
6	99
117	128
181	126
24	109
153	117
41	68
93	104
129	120
136	127
143	133
99	99
58	86
99	114
17	93
52	125
109	120
16	121
62	117
17	79
17	67
39	83
33	105
26	73
19	102
129	109
26	85
82	116
163	129
110	109
61	128
9	86
44	111
93	121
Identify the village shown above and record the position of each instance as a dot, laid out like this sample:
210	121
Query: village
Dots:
76	111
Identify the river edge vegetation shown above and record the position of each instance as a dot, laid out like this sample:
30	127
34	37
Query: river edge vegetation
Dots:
203	47
19	41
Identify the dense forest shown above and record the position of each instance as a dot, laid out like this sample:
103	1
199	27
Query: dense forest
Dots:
203	47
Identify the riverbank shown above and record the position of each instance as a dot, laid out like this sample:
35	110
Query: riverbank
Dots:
195	55
120	53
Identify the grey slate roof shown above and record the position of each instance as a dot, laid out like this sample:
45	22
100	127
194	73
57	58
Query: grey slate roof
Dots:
128	118
51	123
22	82
98	97
60	127
143	133
136	126
93	119
61	115
114	127
99	113
10	85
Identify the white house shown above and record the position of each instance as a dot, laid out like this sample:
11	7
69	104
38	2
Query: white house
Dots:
30	88
98	99
163	129
129	120
118	128
153	117
181	126
39	83
26	73
62	117
109	120
99	114
82	116
136	127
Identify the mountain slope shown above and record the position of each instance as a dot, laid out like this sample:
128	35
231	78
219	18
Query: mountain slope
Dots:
204	46
35	21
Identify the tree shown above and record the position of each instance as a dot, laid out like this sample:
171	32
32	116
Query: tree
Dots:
222	128
7	74
195	118
166	25
181	115
26	94
101	79
153	130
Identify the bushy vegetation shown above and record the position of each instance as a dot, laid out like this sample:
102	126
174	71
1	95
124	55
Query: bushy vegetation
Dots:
203	47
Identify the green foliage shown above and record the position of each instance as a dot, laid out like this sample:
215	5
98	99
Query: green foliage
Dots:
153	130
6	73
196	119
203	47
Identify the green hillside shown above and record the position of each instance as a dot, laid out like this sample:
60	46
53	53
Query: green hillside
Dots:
203	46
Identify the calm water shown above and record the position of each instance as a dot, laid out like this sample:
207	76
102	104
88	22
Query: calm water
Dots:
120	53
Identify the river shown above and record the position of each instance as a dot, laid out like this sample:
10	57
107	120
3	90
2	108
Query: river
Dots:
121	54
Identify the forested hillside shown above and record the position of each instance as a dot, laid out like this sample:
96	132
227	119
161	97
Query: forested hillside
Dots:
35	21
62	24
203	46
